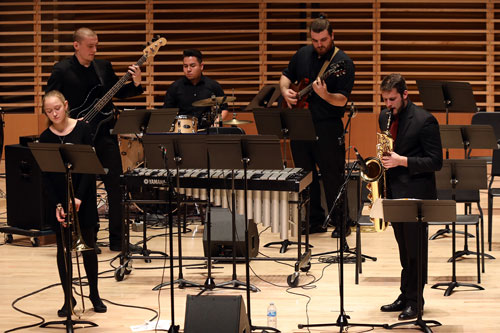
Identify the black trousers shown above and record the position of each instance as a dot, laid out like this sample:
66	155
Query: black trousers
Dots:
407	238
328	155
108	152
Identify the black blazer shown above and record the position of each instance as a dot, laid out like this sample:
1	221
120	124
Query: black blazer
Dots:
418	138
75	81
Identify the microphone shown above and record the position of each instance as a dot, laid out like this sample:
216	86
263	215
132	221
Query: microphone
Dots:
361	162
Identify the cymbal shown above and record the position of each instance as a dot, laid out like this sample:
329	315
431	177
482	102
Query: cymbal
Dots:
235	121
213	101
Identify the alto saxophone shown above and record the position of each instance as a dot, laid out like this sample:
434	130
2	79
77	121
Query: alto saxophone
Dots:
375	172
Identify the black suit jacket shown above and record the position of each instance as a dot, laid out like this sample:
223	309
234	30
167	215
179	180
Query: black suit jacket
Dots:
418	138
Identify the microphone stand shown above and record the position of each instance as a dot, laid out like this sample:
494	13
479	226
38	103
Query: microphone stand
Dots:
342	320
344	246
173	328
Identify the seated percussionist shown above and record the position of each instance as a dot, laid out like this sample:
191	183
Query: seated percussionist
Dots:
194	86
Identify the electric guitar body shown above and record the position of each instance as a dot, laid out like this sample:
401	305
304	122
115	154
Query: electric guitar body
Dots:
304	87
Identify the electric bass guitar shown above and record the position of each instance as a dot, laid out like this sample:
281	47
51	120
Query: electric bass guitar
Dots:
304	88
93	110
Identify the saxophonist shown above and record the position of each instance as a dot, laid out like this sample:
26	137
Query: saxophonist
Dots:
409	174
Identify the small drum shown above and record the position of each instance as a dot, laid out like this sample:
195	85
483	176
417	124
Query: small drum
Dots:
131	152
185	124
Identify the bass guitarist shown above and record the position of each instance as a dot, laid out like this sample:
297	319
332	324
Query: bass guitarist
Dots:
327	103
81	78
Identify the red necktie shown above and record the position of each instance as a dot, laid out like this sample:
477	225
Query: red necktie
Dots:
394	128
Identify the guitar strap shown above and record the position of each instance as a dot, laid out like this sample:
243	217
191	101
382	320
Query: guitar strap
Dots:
327	62
98	72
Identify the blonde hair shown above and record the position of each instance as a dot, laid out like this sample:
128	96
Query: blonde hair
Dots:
83	32
57	94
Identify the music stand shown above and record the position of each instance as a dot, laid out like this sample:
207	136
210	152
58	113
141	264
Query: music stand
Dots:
447	96
163	152
258	153
420	211
67	159
224	152
286	124
131	121
161	120
456	175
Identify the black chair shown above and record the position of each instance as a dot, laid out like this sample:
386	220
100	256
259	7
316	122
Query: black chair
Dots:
488	118
493	192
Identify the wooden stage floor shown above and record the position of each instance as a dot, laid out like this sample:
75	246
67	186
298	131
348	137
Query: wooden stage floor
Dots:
25	269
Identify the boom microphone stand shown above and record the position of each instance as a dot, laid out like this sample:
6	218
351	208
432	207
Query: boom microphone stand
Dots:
342	320
345	246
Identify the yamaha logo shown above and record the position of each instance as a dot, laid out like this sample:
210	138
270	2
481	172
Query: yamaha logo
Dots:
148	181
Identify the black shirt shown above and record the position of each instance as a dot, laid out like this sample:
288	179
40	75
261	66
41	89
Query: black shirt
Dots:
84	184
182	93
305	64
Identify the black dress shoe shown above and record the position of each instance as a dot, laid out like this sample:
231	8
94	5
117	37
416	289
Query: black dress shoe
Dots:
336	232
97	249
409	312
99	306
316	229
62	311
397	305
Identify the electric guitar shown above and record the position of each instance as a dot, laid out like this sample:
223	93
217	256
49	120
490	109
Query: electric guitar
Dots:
91	111
304	88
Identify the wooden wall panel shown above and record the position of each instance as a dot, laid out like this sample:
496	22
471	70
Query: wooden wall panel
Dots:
247	45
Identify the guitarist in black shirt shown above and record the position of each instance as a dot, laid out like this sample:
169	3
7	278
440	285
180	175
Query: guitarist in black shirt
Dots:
326	102
84	80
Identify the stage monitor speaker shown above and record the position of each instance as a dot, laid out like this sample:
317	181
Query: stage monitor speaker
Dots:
221	235
26	202
215	314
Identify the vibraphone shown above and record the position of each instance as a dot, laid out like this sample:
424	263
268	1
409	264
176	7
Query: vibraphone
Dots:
274	197
271	199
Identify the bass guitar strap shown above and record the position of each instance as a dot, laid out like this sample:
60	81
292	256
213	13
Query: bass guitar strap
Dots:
327	62
98	72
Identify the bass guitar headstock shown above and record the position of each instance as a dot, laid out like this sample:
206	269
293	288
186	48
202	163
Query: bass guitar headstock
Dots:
154	46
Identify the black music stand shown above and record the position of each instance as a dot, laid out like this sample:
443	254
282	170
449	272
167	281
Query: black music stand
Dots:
420	211
456	175
161	120
145	121
446	96
286	124
452	137
68	159
224	152
258	153
164	153
132	121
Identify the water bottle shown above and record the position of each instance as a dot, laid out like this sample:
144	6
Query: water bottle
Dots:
271	316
